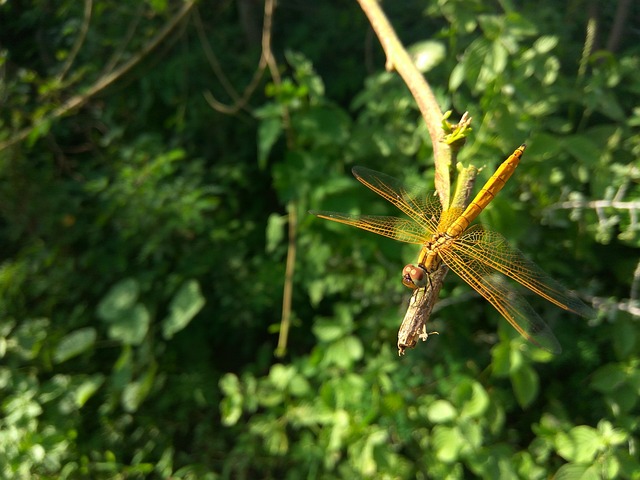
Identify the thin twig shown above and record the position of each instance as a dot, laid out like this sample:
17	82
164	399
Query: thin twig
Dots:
398	59
80	38
606	305
587	49
124	42
595	204
219	72
287	295
604	220
292	205
622	15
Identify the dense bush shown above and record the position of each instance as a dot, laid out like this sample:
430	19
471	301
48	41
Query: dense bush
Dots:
145	232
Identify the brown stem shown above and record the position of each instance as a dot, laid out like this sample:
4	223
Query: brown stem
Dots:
399	59
622	13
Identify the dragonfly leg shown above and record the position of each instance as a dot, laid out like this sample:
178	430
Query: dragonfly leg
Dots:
424	335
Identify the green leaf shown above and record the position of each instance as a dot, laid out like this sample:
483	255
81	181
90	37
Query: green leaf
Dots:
329	329
280	375
583	149
457	76
131	326
628	462
339	429
86	390
121	297
29	336
427	54
344	351
448	441
609	105
230	410
136	392
477	405
610	435
185	305
231	404
501	359
159	6
39	130
441	411
525	383
551	70
364	451
74	344
269	130
498	58
492	25
230	384
275	231
572	471
625	398
474	58
545	44
608	378
625	336
277	442
322	125
580	445
299	386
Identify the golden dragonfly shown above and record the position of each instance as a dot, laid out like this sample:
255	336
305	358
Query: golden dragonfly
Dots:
480	257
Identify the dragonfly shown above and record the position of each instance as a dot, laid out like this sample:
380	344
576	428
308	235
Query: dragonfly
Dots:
482	258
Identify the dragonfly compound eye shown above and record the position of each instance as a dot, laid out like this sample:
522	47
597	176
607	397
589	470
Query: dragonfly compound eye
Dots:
414	276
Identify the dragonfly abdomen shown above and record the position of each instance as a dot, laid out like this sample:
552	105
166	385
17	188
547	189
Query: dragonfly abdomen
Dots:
487	194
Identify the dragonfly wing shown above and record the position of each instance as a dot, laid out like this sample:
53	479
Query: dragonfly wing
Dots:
423	207
399	229
494	250
495	288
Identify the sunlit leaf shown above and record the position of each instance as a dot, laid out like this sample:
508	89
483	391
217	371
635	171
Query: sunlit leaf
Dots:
545	43
441	411
328	330
275	231
573	471
120	297
269	131
344	351
448	441
427	54
137	391
88	388
280	375
74	344
131	325
477	405
580	445
185	305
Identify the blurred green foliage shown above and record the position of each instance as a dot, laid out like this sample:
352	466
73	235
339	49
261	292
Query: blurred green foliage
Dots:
144	237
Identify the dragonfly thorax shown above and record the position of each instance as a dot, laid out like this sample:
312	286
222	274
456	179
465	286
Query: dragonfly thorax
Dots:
429	256
417	276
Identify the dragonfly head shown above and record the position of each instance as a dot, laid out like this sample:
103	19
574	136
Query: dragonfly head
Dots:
414	276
